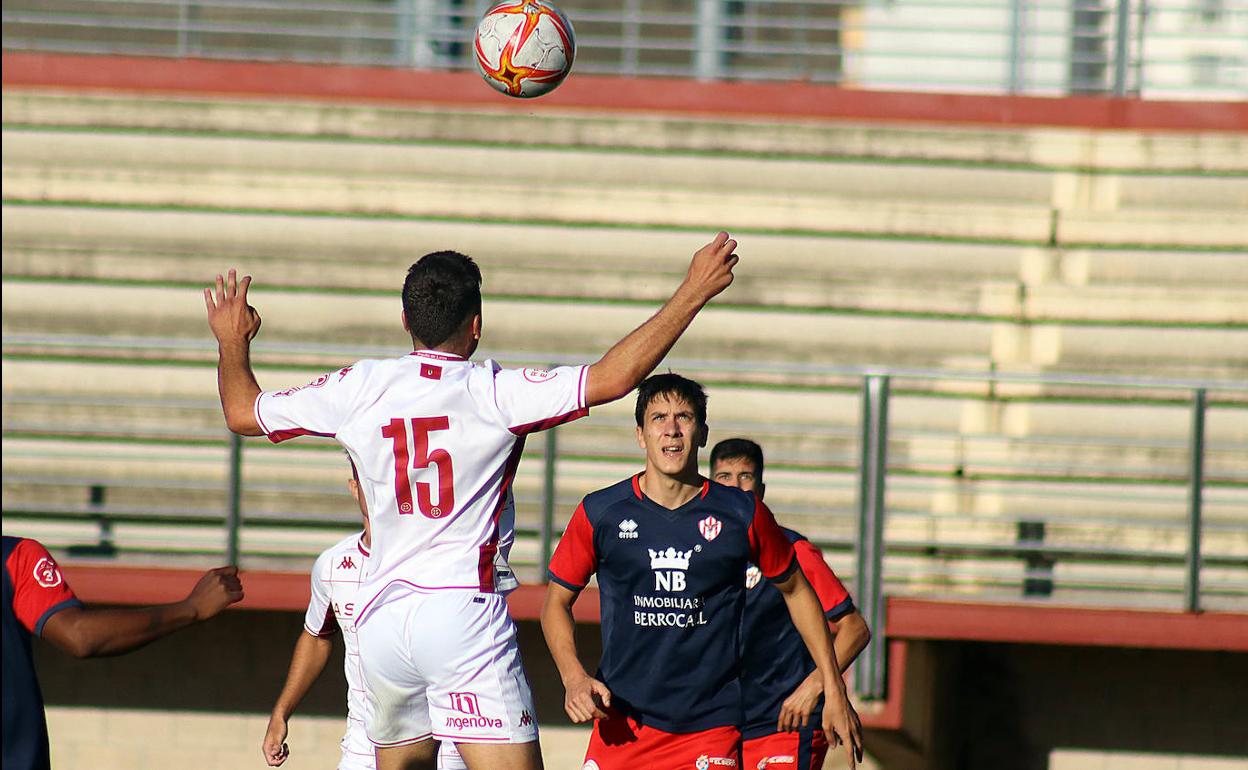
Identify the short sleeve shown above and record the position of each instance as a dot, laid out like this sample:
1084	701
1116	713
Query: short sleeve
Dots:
530	400
833	597
574	559
39	587
320	620
316	409
770	549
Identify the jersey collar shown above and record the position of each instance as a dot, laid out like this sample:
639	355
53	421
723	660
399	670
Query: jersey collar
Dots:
437	355
669	512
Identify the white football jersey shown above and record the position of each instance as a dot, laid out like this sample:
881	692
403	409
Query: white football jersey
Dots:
436	440
333	607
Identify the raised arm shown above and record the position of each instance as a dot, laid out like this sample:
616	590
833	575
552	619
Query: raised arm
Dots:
90	633
306	664
840	721
584	697
235	323
634	357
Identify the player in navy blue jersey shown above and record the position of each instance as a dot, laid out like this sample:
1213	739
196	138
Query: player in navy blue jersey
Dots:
38	601
780	685
670	549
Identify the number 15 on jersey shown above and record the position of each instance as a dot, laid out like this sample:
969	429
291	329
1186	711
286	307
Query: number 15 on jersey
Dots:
419	428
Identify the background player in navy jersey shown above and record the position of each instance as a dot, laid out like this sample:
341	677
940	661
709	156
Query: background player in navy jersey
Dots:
670	549
779	682
38	601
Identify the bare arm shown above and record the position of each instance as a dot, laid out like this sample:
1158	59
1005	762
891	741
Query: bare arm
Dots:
850	636
235	323
90	633
840	721
584	697
627	363
306	664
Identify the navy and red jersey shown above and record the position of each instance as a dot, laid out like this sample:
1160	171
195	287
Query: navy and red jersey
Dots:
672	596
775	659
34	590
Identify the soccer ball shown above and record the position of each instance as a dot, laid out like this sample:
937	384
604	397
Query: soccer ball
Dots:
524	48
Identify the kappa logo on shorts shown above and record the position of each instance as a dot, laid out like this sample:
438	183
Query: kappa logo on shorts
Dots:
628	530
705	761
47	574
526	718
710	527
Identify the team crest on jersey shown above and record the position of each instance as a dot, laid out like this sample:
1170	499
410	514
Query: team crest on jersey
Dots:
318	382
47	574
752	576
539	375
710	527
628	530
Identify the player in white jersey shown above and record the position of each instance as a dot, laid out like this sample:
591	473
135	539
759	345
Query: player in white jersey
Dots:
437	440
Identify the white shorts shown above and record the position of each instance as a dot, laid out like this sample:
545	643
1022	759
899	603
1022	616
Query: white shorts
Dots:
445	664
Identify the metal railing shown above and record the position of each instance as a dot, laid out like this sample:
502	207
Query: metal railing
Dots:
1076	517
1153	48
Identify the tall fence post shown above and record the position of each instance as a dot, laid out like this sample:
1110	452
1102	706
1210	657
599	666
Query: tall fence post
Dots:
1195	494
233	518
869	670
1122	46
709	37
1018	45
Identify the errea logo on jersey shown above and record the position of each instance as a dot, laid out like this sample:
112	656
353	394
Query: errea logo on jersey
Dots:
628	530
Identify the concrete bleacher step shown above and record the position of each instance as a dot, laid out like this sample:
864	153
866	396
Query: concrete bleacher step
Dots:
584	329
614	188
876	276
1157	152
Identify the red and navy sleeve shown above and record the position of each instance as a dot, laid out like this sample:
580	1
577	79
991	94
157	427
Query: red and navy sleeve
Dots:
833	597
39	587
769	548
574	560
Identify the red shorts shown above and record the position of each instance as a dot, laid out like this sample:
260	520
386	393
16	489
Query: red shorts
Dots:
801	750
621	743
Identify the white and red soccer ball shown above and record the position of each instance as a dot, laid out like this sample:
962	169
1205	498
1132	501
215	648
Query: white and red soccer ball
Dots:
524	48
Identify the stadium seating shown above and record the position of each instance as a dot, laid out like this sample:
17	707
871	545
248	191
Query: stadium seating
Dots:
934	247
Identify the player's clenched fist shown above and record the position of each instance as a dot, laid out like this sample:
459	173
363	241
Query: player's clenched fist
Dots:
586	699
216	590
229	316
710	272
274	747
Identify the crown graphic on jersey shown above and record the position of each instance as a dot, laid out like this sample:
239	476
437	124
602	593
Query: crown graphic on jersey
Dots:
669	559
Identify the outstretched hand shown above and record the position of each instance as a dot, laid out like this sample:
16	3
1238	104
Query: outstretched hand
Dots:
216	590
710	272
229	316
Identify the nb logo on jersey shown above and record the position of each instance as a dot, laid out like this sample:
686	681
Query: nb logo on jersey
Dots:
628	530
347	563
669	568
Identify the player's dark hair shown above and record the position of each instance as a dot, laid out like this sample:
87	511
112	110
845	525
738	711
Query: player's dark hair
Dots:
739	448
442	290
673	386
